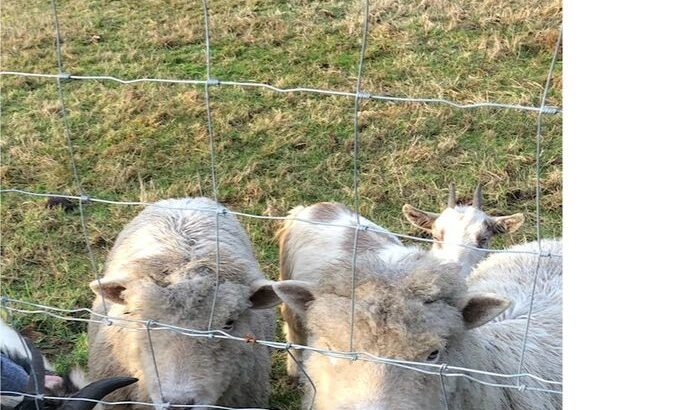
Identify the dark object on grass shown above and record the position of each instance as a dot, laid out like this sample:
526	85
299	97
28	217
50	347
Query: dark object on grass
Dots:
65	203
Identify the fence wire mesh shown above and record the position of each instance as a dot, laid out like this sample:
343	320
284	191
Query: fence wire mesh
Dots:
520	380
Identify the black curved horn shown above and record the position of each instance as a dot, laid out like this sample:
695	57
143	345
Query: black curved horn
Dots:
38	371
96	391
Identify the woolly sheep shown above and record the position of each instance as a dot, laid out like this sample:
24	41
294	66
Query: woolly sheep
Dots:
307	249
415	308
300	240
163	268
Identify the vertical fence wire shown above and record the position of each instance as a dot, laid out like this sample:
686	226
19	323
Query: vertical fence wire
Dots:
148	325
299	364
71	151
444	393
539	120
209	81
218	268
357	103
214	183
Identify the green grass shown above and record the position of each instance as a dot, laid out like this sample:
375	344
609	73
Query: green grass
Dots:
274	151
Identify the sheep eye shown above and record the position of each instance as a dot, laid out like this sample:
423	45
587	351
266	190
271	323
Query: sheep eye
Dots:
433	356
228	324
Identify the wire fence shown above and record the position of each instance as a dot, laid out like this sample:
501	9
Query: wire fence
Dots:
520	380
151	325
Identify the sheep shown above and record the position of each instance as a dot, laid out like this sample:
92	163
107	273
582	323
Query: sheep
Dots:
459	225
29	370
299	242
162	267
420	309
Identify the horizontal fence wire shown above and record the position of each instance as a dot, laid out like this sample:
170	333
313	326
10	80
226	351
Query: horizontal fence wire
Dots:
151	325
251	84
88	199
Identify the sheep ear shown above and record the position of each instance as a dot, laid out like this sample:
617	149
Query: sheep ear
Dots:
510	223
263	295
112	289
295	294
481	308
421	219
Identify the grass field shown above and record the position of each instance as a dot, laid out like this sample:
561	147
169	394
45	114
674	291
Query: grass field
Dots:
273	151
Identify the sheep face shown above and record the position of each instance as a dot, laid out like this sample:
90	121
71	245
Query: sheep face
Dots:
190	369
422	317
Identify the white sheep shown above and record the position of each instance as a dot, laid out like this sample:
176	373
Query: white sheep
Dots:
307	249
163	268
413	306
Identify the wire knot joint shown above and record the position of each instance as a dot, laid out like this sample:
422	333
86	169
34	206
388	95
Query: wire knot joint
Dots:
549	110
249	338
